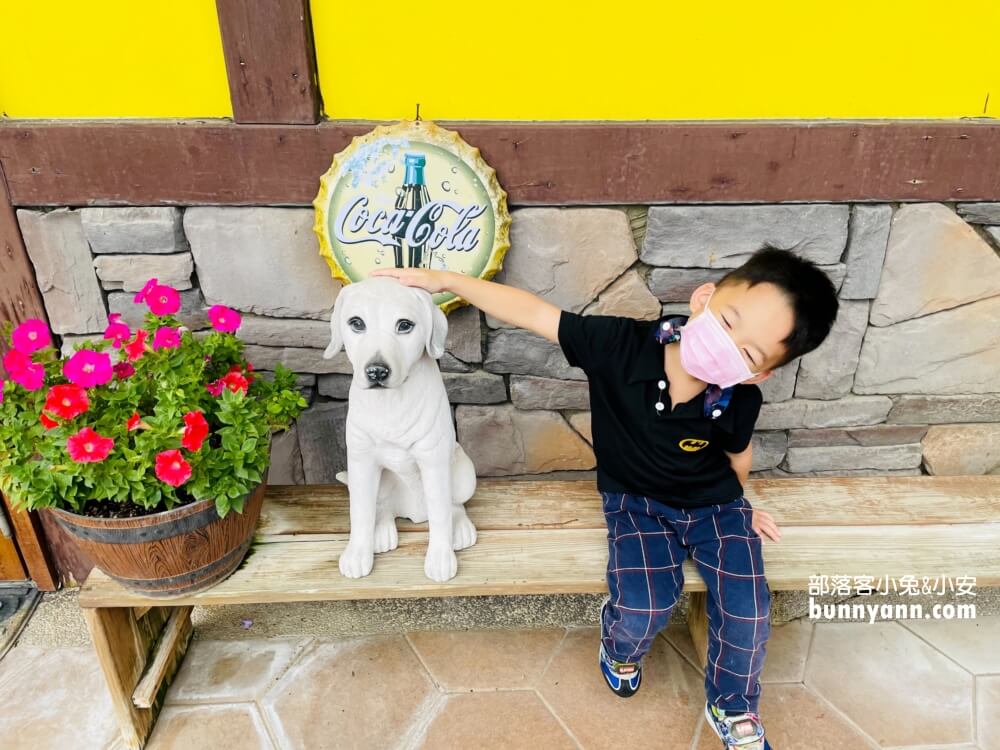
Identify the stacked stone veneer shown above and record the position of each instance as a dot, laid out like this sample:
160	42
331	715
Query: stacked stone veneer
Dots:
909	380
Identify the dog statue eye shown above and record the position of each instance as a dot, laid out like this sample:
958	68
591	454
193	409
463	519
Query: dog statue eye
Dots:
404	325
357	325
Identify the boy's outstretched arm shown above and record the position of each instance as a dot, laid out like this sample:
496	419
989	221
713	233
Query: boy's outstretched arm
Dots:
515	306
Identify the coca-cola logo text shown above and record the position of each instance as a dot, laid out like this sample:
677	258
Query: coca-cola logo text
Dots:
356	222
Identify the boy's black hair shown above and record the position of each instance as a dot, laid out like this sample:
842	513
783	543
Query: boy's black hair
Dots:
809	291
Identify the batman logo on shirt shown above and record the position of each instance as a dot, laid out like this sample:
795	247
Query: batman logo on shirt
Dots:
692	444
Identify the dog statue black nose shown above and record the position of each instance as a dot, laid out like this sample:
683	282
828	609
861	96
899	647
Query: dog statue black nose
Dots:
377	372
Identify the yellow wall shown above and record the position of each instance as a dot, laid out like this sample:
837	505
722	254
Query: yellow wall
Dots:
111	58
523	59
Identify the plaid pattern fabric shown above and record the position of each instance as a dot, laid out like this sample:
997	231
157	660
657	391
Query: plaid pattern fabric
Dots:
647	543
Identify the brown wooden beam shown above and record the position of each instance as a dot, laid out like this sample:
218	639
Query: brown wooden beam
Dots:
270	60
20	299
156	163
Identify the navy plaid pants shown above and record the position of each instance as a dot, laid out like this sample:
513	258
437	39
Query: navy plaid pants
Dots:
647	543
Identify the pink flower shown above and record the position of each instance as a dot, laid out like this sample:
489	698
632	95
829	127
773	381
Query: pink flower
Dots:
172	468
88	368
133	422
31	336
215	387
163	300
24	371
224	319
117	331
1	390
140	297
195	430
87	446
15	360
66	401
136	348
47	422
166	338
124	370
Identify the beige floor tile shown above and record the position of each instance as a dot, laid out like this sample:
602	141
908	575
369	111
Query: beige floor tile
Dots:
349	694
54	698
894	686
227	671
972	643
663	713
794	717
498	721
786	649
486	659
988	712
216	727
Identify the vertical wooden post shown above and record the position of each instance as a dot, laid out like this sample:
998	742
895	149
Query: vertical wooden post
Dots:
698	624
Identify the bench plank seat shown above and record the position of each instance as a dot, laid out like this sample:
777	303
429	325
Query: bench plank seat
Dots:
549	537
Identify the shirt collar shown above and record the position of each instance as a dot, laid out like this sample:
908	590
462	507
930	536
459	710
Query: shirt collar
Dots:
648	363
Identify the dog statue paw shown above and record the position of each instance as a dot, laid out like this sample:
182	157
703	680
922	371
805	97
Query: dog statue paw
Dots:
402	452
356	561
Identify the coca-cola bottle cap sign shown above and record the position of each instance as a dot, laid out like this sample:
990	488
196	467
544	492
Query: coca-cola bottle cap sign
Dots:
411	195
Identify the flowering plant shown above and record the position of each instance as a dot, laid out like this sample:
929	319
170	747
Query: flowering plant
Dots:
140	421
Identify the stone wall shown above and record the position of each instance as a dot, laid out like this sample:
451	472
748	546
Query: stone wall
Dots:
908	381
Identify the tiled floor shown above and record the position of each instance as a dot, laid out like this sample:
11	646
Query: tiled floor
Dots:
835	686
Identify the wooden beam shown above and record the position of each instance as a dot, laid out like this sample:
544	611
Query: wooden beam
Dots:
163	163
270	60
20	299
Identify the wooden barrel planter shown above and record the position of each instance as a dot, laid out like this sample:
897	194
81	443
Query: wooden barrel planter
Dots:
175	552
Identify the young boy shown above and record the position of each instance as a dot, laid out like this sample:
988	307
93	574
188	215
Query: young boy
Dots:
673	405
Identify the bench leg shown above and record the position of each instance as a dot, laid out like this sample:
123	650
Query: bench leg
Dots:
698	624
131	643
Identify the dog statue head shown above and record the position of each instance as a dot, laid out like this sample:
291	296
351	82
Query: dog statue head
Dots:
385	327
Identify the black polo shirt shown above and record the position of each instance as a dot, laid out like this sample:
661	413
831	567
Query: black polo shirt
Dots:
675	456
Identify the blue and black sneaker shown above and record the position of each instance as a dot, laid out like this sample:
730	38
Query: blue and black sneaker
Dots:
742	730
622	677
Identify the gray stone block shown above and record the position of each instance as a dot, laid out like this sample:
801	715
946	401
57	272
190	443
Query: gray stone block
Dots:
781	385
768	449
523	353
678	284
959	449
64	269
952	352
131	272
848	457
828	371
726	236
297	359
946	409
261	260
286	458
464	339
298	332
474	387
193	312
843	412
980	213
529	392
782	474
882	434
334	386
868	236
627	296
134	229
322	443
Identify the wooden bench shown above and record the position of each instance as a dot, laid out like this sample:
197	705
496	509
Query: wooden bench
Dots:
544	537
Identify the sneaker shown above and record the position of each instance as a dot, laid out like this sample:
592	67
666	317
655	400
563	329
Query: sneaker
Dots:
739	730
622	677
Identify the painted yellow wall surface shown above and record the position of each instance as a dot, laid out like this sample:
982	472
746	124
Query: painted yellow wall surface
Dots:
111	58
658	59
523	59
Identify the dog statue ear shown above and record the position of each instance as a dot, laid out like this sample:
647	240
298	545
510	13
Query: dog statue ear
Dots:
438	334
336	337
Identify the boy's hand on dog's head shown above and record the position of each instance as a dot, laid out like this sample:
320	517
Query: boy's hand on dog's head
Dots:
762	522
432	281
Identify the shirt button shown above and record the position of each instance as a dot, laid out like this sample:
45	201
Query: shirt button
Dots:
659	406
662	384
665	326
717	412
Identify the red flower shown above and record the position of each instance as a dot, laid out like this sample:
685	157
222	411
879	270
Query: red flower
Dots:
133	422
66	401
87	368
136	348
235	382
87	446
195	430
47	421
31	336
117	331
144	292
172	468
163	300
224	319
124	370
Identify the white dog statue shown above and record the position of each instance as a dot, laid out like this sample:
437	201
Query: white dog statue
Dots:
402	456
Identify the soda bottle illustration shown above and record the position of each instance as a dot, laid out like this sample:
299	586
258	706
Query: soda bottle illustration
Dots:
410	199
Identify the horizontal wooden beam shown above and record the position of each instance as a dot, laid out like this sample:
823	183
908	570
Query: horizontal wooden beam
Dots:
218	162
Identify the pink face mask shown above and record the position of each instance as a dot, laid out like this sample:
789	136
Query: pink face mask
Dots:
708	353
